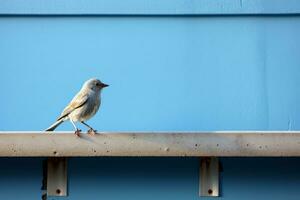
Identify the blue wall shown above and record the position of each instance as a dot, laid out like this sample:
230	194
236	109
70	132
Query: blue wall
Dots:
181	72
166	73
154	178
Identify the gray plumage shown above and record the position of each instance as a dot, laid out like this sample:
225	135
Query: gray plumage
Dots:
83	106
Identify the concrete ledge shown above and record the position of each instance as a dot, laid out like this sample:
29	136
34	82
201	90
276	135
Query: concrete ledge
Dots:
219	144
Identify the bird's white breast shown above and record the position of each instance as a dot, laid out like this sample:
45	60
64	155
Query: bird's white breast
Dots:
89	109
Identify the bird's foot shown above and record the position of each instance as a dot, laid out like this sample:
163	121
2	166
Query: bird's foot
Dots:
92	131
77	132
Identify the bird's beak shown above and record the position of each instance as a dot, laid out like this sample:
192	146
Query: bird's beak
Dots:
104	85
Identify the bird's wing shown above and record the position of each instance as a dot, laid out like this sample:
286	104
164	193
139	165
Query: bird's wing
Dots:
79	100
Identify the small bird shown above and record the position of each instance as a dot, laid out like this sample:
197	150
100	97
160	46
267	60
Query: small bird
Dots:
83	106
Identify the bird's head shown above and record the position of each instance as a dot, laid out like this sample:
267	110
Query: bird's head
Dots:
94	84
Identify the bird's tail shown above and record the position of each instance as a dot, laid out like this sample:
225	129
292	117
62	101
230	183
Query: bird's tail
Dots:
55	125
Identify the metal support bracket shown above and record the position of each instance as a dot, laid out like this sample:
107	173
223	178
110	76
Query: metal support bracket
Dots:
57	181
209	177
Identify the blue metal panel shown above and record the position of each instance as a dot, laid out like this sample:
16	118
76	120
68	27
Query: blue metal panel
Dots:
154	178
20	178
146	7
177	178
166	73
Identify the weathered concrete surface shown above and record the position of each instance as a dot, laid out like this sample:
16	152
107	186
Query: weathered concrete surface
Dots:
66	144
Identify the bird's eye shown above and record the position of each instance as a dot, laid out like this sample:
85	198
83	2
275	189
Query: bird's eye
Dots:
98	84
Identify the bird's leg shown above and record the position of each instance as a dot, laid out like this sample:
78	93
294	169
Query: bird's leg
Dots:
77	131
91	131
